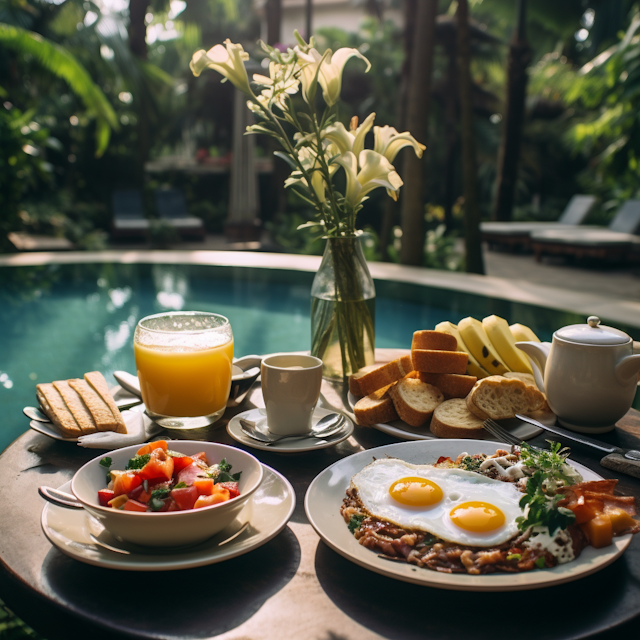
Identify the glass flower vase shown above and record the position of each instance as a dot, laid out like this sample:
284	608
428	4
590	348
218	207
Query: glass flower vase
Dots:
343	309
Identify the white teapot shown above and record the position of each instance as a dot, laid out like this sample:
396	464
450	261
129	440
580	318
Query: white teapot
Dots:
588	373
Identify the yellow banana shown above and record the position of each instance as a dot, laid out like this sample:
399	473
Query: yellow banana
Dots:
473	366
522	333
505	344
478	343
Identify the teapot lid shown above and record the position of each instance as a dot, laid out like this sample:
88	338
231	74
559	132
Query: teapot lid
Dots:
593	333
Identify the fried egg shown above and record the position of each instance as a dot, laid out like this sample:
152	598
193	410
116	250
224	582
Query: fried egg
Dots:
452	504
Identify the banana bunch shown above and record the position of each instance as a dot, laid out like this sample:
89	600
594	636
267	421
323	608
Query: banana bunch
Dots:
491	345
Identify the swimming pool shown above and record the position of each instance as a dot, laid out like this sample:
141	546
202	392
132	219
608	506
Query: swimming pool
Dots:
58	321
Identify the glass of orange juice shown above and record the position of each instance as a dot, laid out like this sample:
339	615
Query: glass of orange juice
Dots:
184	361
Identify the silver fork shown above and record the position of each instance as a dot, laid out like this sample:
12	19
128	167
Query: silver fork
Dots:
500	433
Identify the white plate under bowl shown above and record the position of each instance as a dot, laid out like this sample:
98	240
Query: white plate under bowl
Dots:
289	445
324	498
266	512
404	431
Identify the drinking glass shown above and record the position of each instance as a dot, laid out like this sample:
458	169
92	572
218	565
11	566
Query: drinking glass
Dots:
184	361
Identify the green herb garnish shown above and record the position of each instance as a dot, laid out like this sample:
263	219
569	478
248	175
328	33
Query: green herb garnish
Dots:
181	485
227	477
552	462
160	494
514	556
470	464
540	563
137	462
106	462
355	522
220	473
224	465
156	504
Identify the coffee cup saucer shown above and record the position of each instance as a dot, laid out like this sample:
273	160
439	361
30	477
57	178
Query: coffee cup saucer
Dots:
287	445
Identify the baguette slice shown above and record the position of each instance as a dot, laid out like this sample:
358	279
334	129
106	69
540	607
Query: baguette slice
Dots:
438	340
452	419
452	385
434	361
374	408
499	398
55	408
99	385
354	379
543	413
76	406
97	407
385	375
527	378
415	401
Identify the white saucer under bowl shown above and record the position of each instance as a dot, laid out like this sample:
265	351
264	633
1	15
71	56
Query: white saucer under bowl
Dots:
265	514
289	445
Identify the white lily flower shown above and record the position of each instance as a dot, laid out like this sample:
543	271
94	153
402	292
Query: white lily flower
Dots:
388	142
330	75
309	160
349	140
227	59
282	80
375	171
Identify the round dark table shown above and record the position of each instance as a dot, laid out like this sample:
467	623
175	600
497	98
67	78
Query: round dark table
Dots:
293	587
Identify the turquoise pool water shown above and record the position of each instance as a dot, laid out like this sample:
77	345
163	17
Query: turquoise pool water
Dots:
59	321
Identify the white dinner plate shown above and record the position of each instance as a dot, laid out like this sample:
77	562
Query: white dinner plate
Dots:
263	517
404	431
289	445
324	498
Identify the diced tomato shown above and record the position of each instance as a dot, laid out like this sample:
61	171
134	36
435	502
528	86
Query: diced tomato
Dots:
442	459
134	495
149	447
201	456
204	486
231	487
125	483
134	505
171	505
144	497
189	474
220	494
104	495
160	465
185	498
180	463
586	510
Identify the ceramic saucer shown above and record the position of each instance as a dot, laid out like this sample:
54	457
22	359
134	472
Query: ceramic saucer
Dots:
290	445
265	514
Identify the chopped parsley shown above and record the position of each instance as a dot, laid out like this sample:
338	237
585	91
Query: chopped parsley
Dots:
514	556
160	494
224	465
470	464
137	462
106	462
220	473
181	485
540	563
355	522
551	462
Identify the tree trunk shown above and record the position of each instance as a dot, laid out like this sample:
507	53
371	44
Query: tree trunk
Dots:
418	99
509	154
138	46
273	10
391	206
473	240
451	119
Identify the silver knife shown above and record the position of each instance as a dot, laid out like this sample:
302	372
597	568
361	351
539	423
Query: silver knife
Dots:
629	454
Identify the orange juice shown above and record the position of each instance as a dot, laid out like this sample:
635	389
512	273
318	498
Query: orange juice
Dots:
184	382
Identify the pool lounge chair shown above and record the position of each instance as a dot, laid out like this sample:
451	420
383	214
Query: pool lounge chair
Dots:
128	214
613	243
512	234
172	208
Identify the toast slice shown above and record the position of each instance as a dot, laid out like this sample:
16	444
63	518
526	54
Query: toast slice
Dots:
99	385
97	407
374	408
354	380
415	401
438	340
452	385
385	375
435	361
53	405
452	419
76	406
499	398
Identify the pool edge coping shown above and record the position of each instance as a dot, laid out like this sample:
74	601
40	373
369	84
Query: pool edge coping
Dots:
614	309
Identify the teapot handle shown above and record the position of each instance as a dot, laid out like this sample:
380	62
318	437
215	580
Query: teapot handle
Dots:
538	353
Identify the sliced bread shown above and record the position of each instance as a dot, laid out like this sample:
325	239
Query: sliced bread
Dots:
452	385
437	361
98	408
499	398
452	419
354	379
543	413
415	401
438	340
53	405
76	406
385	374
527	378
374	408
99	384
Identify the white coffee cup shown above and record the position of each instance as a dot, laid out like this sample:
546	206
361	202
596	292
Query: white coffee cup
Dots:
291	388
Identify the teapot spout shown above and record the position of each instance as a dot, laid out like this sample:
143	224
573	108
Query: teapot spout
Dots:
538	353
627	368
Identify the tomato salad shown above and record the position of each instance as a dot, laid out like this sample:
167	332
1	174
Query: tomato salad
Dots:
158	479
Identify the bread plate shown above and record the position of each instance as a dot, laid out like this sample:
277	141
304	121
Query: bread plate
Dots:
324	498
404	431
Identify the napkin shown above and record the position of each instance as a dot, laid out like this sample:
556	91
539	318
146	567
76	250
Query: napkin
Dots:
140	428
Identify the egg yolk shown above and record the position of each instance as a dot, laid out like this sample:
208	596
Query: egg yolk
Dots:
416	492
480	517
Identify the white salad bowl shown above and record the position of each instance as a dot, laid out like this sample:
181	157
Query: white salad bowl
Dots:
174	528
